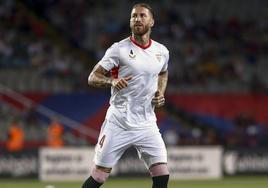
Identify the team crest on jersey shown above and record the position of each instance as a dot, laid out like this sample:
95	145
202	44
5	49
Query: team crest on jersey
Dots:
131	54
158	56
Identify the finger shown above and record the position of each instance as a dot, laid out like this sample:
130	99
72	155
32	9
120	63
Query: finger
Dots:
154	99
120	85
128	78
117	87
117	84
160	104
124	82
159	98
114	82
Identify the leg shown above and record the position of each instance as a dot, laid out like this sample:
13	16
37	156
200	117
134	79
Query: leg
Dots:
152	151
108	150
98	176
160	175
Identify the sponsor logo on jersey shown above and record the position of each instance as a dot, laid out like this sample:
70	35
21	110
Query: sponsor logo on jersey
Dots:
131	54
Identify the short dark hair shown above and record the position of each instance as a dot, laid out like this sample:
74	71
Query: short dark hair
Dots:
145	6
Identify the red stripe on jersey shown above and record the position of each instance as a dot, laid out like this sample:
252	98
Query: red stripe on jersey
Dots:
114	72
139	45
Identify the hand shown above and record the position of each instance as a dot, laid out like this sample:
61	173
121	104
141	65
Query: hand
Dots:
158	99
120	83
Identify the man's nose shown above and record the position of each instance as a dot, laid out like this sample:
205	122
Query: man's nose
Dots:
138	18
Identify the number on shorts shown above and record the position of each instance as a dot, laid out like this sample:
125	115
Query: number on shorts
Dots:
102	141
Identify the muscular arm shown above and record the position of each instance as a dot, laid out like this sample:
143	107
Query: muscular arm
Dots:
159	99
99	77
162	82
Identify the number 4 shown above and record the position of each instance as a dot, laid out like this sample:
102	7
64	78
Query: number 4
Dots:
102	141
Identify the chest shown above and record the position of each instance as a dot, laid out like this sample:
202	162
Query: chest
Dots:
141	61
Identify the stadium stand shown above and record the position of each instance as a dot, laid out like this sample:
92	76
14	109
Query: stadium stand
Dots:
47	49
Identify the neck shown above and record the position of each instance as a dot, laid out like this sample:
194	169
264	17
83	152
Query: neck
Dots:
142	39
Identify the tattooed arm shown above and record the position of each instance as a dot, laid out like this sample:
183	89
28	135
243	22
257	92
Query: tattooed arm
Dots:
159	99
99	77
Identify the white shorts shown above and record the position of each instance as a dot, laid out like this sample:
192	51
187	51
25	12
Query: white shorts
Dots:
114	141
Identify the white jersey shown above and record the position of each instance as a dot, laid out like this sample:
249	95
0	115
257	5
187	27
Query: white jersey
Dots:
131	107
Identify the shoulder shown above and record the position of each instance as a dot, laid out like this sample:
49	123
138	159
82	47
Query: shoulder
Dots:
160	46
117	46
125	43
122	43
115	50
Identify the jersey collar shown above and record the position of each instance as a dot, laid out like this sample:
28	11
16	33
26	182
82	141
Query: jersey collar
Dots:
139	45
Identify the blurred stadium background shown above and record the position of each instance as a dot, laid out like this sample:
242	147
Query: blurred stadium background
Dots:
216	97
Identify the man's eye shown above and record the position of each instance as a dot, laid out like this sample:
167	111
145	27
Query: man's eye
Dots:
143	15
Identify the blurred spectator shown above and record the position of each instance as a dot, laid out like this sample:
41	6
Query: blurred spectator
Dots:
171	137
15	141
196	136
210	137
55	133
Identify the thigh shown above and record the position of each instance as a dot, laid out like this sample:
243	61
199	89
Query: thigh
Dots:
151	148
110	146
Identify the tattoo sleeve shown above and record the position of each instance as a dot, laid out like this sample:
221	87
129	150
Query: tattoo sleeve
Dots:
99	77
162	81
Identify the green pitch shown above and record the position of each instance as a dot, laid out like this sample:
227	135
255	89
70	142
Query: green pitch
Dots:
232	182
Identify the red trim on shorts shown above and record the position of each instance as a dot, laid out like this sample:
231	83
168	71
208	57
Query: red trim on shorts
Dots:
114	72
139	45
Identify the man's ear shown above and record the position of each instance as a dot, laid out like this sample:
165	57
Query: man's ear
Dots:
152	23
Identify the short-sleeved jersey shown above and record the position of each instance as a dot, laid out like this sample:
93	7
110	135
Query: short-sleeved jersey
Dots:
131	107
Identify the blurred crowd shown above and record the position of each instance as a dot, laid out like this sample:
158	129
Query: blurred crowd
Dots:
185	128
29	129
207	54
25	130
26	42
64	39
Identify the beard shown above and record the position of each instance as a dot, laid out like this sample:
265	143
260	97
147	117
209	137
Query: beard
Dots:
140	30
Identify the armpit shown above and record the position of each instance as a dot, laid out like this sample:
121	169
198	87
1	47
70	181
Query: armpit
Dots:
99	69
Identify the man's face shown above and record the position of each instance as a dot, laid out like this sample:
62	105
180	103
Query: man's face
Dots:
141	20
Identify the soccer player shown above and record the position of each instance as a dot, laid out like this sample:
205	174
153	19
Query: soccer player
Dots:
139	77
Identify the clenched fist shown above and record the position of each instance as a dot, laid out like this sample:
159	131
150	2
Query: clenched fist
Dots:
120	83
158	99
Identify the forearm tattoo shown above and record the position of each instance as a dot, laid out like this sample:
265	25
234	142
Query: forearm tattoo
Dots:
99	77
